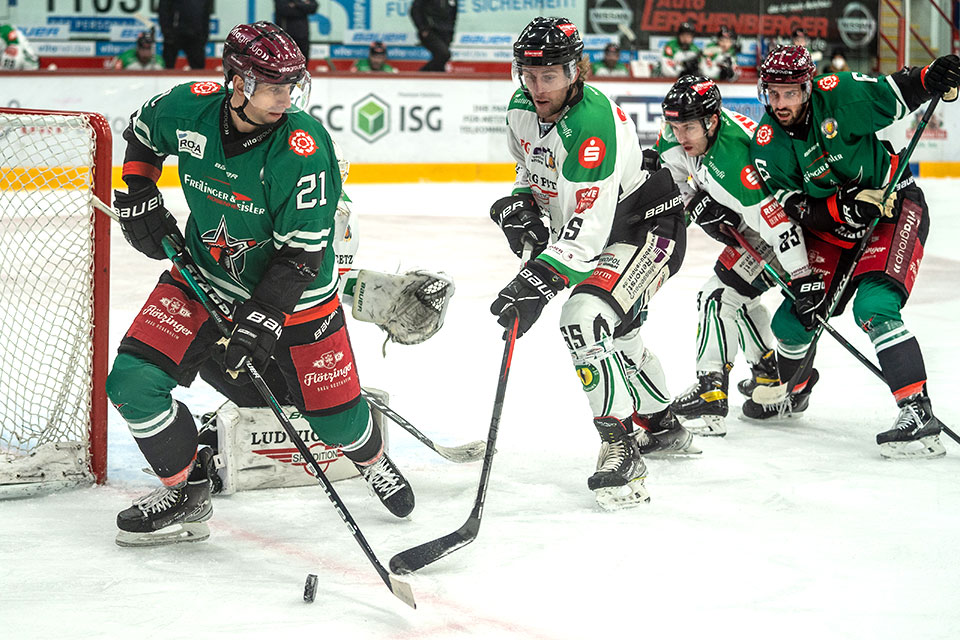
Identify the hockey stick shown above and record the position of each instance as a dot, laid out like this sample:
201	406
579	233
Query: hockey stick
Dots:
820	320
464	453
765	395
180	259
188	269
420	556
874	369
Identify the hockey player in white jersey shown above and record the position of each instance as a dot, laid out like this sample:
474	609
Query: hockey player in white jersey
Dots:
707	150
615	235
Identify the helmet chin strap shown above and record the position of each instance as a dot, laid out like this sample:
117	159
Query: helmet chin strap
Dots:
242	115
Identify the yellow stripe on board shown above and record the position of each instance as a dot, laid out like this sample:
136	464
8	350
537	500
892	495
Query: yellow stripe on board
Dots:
939	169
385	173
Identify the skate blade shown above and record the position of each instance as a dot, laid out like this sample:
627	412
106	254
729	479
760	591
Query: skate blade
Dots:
928	447
183	532
705	426
623	497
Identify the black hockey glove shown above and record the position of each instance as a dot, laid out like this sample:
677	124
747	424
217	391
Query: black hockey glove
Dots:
255	333
651	161
858	207
519	218
942	75
145	221
809	292
527	294
713	218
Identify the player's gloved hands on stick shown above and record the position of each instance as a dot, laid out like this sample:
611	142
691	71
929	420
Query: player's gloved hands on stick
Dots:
527	294
145	221
858	207
519	218
254	336
942	75
713	218
809	292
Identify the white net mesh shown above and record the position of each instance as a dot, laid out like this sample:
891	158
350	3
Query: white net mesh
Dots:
46	290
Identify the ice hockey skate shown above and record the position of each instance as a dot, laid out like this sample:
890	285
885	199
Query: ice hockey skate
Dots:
618	480
388	484
792	407
169	514
762	374
915	434
661	435
702	409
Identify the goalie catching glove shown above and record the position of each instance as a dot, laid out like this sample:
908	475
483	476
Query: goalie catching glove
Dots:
145	221
409	307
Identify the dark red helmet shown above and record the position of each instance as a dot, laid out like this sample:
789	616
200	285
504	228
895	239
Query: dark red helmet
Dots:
787	64
263	52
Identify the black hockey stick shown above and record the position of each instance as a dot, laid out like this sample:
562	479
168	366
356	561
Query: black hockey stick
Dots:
420	556
464	453
192	275
765	395
874	369
211	302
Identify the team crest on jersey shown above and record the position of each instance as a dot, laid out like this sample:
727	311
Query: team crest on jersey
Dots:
544	156
589	377
586	198
764	135
749	177
829	128
175	307
204	88
827	83
302	143
229	252
592	152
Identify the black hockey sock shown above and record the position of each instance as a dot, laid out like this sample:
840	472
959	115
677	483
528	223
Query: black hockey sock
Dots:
900	359
790	366
171	452
366	452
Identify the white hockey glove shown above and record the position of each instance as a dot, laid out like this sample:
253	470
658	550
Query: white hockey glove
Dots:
409	307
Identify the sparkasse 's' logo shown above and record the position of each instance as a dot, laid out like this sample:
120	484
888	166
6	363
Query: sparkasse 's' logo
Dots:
370	118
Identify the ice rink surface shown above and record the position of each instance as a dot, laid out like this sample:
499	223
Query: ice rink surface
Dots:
790	530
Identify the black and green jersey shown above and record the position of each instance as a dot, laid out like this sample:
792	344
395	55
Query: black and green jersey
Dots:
839	146
363	65
273	192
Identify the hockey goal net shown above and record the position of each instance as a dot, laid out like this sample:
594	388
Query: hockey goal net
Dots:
54	299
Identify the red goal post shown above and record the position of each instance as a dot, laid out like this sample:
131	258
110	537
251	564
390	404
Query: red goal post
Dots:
54	298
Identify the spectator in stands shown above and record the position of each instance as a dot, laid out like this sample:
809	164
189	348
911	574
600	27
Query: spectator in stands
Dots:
376	60
838	62
719	60
185	25
16	53
141	57
680	56
799	37
435	21
291	16
610	65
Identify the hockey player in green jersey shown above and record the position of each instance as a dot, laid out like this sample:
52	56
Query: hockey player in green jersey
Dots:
615	235
817	150
707	150
261	180
142	57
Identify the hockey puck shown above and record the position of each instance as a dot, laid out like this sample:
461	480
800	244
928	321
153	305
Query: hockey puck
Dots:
310	588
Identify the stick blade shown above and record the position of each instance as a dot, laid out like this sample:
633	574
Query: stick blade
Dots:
470	452
770	395
416	558
402	590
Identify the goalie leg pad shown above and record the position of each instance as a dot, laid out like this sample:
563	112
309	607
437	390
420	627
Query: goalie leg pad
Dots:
410	307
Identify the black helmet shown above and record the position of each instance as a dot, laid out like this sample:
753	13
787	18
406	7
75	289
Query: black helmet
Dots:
686	27
548	41
726	32
691	98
